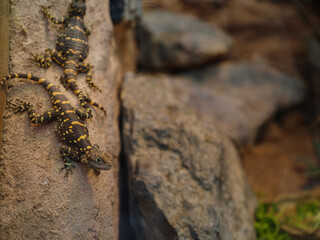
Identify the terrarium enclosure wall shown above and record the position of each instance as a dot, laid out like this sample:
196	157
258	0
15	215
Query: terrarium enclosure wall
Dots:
4	53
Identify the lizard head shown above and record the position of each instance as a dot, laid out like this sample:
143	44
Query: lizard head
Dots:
96	159
77	8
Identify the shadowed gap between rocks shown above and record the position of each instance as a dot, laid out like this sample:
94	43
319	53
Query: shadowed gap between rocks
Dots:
125	228
178	71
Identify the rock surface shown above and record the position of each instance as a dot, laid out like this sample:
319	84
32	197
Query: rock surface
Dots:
173	5
260	28
37	202
205	3
240	97
185	179
170	41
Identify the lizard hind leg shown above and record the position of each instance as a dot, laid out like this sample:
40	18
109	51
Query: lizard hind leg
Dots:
84	114
97	105
85	100
21	106
89	69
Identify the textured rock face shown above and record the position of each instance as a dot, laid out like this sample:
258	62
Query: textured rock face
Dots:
205	3
37	202
185	179
168	41
240	97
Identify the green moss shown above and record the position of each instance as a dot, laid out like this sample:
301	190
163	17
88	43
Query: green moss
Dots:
267	223
276	221
306	216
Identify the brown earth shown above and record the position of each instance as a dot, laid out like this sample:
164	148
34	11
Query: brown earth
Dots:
275	166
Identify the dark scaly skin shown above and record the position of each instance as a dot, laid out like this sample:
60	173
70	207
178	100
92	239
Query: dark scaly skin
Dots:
70	126
71	50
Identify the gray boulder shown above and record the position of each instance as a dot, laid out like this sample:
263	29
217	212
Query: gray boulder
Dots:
239	97
170	41
185	178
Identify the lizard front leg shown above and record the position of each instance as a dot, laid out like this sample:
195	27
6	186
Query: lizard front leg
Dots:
85	100
53	18
67	154
87	30
49	55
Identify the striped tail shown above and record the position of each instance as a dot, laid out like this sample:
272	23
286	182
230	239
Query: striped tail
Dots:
41	81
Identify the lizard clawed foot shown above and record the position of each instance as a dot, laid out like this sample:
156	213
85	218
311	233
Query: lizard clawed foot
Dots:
41	61
35	57
93	86
96	146
96	172
64	83
44	9
96	88
68	166
19	106
88	29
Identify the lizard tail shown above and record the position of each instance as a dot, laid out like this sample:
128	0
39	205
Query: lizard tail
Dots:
52	89
41	81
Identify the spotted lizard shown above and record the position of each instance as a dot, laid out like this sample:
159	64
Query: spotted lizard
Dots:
71	49
70	126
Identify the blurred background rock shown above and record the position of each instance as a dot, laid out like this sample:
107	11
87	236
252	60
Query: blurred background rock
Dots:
250	70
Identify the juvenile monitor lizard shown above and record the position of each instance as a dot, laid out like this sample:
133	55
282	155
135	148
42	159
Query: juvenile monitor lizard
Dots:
70	126
71	49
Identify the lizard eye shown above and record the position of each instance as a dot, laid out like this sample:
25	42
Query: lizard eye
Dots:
99	159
